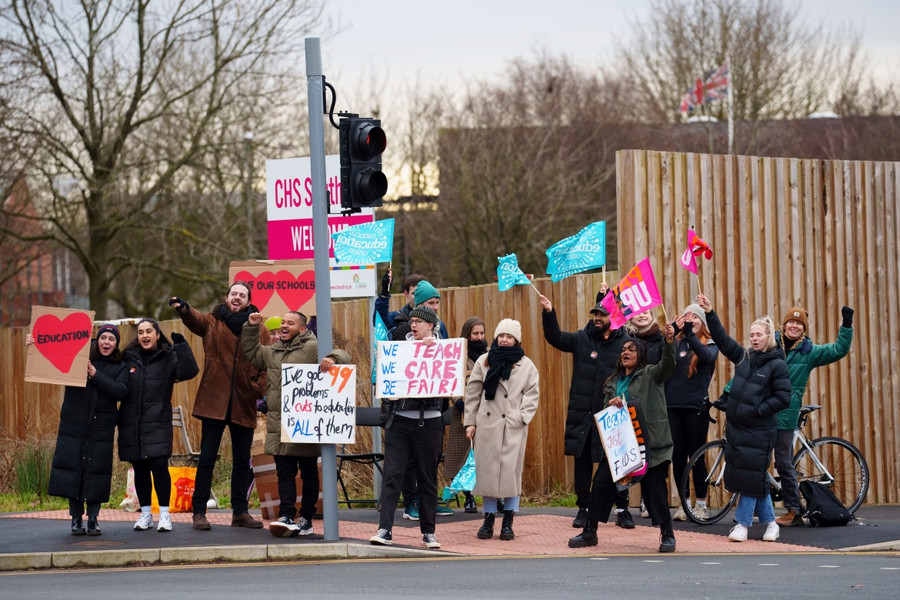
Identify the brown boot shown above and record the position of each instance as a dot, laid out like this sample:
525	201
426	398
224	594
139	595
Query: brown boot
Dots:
200	522
789	519
245	520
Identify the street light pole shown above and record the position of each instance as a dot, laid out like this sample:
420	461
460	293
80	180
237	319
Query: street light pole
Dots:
248	190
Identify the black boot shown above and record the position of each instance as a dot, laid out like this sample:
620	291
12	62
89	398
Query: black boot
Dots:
506	530
93	527
666	539
470	503
588	537
77	527
486	531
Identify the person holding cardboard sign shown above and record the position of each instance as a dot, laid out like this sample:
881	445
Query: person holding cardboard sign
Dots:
641	389
501	400
145	418
82	462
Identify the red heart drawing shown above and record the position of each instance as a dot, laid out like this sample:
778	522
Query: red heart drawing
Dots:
60	341
296	291
263	287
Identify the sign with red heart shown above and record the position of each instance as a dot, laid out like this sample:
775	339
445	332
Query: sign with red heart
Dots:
61	345
278	286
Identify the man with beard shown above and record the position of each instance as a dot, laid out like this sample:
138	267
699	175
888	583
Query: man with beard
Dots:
595	352
227	396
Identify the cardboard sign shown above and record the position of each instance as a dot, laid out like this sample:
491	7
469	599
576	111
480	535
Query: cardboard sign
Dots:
278	286
619	441
316	407
62	342
416	370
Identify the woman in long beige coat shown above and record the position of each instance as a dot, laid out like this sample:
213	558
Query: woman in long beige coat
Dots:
501	399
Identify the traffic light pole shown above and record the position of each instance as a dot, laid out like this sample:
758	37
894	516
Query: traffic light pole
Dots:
315	87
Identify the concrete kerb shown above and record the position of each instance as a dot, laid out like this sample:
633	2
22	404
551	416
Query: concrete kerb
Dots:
893	546
202	554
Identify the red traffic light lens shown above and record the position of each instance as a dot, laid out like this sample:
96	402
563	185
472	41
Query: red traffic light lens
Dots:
370	141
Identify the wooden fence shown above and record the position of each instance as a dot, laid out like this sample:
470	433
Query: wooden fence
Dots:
814	233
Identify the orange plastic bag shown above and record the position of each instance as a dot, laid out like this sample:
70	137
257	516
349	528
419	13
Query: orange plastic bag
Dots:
180	497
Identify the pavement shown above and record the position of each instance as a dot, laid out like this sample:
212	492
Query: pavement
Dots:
41	540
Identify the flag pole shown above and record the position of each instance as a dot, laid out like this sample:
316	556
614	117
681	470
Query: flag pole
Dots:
697	274
604	273
730	100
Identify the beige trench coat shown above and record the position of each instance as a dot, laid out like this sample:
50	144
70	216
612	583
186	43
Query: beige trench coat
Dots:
501	426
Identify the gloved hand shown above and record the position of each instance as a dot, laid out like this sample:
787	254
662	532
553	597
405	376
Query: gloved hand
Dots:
262	405
722	402
177	303
847	314
177	338
460	405
386	283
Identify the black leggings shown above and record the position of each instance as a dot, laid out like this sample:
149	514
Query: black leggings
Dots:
689	428
143	485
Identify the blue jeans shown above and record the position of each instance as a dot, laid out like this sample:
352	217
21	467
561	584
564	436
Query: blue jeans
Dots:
747	505
490	504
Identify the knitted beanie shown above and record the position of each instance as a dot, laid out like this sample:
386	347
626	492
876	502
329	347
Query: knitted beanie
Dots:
273	323
425	313
698	312
110	328
795	313
425	291
511	327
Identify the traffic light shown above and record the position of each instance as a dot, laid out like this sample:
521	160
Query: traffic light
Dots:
363	185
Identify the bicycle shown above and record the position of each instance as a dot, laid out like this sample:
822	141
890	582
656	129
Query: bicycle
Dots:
827	460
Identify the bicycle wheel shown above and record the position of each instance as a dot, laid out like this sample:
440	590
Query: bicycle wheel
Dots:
709	464
846	471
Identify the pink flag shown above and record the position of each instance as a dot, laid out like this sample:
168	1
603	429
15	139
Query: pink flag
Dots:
695	246
636	293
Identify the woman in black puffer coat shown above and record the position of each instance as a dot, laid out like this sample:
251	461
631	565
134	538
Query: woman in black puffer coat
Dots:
760	388
145	419
82	462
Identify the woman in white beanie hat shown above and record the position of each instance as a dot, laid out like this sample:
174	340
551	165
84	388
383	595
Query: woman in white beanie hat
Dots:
501	399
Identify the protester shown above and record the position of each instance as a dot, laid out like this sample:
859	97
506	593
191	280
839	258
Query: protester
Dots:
760	388
81	470
427	295
595	353
413	432
457	442
229	389
296	345
501	400
687	394
145	418
641	387
273	324
802	356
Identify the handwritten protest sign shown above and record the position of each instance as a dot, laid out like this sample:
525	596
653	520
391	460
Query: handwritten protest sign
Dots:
316	407
619	441
415	370
62	339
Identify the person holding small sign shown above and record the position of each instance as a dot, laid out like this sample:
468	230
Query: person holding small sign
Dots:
82	462
145	418
760	388
414	432
297	345
640	388
501	400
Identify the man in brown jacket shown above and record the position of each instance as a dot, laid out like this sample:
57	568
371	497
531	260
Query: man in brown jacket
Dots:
227	395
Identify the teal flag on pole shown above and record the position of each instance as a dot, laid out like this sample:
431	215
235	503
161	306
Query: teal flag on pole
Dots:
581	252
509	273
365	244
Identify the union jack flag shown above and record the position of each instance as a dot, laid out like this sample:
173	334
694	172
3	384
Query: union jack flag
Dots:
714	88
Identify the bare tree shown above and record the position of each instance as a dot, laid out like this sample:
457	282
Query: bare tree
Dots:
142	104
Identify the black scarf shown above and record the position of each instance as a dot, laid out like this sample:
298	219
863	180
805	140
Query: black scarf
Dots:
501	360
235	321
477	348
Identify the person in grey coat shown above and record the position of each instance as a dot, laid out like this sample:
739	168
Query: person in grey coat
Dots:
501	400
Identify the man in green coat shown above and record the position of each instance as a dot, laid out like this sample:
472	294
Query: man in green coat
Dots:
298	345
802	357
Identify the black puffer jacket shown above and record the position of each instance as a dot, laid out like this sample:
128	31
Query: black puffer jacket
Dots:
760	388
145	419
593	361
82	462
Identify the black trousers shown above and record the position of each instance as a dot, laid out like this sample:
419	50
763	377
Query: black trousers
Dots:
689	429
158	467
406	440
76	508
241	473
655	493
584	474
286	468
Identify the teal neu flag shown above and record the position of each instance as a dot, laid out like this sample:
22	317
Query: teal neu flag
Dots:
581	252
509	273
365	244
464	480
381	335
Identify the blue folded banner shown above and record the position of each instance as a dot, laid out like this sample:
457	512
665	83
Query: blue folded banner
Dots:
581	252
464	480
509	273
381	335
365	244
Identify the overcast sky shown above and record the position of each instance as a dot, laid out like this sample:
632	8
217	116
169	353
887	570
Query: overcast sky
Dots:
425	41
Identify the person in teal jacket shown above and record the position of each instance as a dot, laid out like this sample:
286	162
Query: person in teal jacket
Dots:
802	356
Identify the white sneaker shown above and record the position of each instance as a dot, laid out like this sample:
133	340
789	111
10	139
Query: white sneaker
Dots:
679	515
772	532
431	541
738	533
700	511
304	526
165	522
645	514
284	527
144	522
